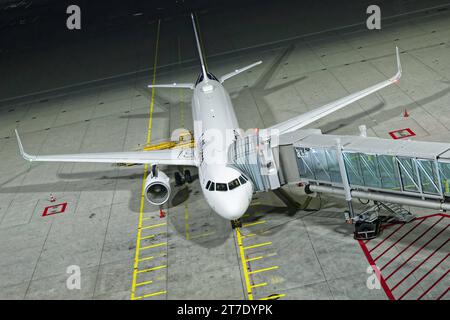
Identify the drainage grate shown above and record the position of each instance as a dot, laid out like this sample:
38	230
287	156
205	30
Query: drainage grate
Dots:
412	259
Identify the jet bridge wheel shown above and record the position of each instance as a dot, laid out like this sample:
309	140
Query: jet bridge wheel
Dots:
236	223
366	230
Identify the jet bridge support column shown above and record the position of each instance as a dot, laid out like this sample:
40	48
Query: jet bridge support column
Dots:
343	171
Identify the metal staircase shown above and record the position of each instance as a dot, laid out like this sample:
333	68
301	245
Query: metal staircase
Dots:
397	211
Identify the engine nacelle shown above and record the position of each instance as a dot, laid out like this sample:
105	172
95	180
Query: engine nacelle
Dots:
157	188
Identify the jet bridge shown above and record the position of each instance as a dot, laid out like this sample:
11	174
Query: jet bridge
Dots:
391	173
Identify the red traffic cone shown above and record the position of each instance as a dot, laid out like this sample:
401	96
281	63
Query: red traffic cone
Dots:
52	198
162	214
405	114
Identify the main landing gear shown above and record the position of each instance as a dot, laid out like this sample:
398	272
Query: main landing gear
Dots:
236	223
182	179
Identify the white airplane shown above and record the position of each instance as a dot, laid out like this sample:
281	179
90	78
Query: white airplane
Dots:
227	191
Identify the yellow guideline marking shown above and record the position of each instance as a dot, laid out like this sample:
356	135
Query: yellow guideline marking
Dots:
258	245
244	264
146	259
152	269
186	219
263	270
273	297
255	258
249	235
259	285
154	226
141	206
154	245
143	283
150	295
253	223
148	237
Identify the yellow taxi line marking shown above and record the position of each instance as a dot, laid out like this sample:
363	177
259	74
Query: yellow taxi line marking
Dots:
150	295
143	283
151	269
263	270
245	225
259	285
141	206
154	226
244	264
273	297
146	259
249	235
186	219
255	258
147	218
154	246
258	245
148	237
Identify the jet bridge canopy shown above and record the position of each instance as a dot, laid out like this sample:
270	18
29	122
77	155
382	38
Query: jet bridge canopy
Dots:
409	167
397	168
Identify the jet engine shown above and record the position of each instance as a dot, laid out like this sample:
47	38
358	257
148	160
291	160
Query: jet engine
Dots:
157	188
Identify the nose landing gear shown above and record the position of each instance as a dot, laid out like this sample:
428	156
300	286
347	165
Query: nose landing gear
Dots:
236	223
181	179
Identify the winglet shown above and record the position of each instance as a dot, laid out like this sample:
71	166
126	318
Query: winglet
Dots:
398	75
25	155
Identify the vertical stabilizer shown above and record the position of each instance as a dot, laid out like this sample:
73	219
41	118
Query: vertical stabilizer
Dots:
199	48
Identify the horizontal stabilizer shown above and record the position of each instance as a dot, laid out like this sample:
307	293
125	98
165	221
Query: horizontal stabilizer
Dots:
237	71
173	85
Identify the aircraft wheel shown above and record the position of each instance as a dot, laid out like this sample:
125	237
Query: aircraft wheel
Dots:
178	179
187	176
236	223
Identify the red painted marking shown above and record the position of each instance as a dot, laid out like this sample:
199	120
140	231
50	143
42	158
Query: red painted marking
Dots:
423	277
417	251
433	285
383	280
390	247
420	264
442	295
395	231
374	267
402	133
409	245
55	209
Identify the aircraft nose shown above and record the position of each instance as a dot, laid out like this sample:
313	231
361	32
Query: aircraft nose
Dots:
232	210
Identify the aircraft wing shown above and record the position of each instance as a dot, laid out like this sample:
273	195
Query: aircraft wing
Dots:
311	116
165	157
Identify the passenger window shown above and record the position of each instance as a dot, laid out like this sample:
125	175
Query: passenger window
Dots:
233	184
221	187
211	187
242	180
207	184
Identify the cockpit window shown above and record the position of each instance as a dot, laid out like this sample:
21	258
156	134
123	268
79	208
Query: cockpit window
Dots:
211	187
207	184
221	187
233	184
242	179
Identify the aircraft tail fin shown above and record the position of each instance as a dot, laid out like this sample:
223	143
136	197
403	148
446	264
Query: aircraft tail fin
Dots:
199	48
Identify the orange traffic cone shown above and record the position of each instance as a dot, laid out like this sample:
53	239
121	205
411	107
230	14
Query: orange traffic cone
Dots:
162	214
